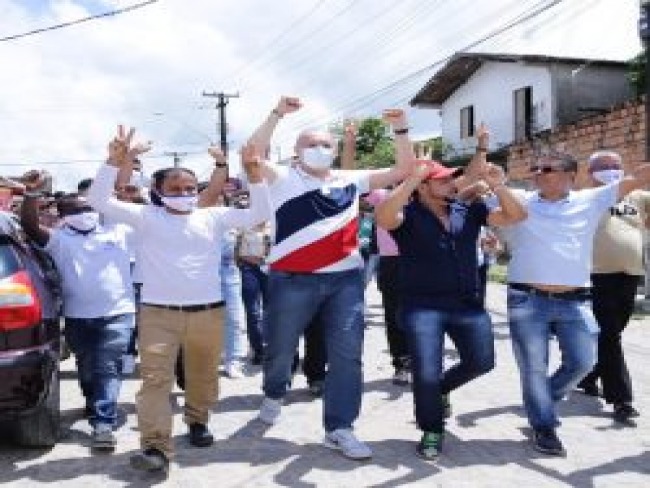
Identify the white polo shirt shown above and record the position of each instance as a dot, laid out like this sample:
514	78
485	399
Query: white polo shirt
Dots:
553	246
94	268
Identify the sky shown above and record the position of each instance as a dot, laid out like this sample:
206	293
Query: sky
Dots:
63	92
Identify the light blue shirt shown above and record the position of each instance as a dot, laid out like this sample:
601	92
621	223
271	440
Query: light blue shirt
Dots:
553	246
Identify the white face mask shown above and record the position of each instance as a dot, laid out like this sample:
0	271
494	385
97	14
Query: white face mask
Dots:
608	176
83	222
318	157
181	203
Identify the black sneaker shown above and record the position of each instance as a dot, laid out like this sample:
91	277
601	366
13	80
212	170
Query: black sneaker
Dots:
402	376
547	442
200	436
150	460
589	389
430	445
446	405
624	413
316	388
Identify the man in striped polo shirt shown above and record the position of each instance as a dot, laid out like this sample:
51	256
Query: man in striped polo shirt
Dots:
315	267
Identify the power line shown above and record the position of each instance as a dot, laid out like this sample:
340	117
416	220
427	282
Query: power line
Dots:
111	13
366	100
277	39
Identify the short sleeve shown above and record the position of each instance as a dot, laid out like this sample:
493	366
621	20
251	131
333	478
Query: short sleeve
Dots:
603	197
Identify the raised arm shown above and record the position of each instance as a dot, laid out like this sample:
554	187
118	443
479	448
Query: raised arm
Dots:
638	178
404	157
348	153
121	152
34	182
260	200
210	196
388	214
261	138
510	209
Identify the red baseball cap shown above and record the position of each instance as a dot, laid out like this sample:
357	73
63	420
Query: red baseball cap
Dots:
439	171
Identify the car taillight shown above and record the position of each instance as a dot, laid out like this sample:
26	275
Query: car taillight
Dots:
19	303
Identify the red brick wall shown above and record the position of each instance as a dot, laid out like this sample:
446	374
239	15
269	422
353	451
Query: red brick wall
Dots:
621	130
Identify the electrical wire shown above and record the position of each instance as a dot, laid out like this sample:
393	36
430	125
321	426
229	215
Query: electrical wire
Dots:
364	101
112	13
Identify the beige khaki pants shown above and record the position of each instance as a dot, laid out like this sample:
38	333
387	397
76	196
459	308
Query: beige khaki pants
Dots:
161	333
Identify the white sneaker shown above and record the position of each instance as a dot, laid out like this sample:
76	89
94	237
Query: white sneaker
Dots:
234	369
346	442
270	410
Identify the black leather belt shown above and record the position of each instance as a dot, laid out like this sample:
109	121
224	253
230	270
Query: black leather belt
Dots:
188	308
576	294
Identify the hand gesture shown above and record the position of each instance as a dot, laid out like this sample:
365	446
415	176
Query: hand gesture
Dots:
288	105
494	175
35	180
252	163
420	171
350	129
482	137
121	150
217	154
395	117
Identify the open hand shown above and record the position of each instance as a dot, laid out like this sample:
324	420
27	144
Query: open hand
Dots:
122	151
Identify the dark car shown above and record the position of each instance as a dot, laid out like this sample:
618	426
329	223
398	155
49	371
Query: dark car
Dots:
30	309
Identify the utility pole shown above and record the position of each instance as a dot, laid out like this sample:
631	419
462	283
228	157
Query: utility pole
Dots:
177	157
223	99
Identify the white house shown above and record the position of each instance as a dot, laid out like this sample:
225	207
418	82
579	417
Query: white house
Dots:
518	95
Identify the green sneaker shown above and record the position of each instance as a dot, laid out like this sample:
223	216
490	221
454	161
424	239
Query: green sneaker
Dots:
430	445
446	406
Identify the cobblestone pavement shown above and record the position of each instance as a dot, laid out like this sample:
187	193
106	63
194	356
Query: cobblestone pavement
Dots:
486	444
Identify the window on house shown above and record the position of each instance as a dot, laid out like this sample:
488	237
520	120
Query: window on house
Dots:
467	121
524	119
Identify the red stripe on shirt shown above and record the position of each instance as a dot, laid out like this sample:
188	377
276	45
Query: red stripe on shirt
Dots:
323	252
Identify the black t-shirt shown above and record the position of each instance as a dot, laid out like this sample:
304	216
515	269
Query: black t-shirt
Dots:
439	268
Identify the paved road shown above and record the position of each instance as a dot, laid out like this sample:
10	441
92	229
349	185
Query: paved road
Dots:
486	445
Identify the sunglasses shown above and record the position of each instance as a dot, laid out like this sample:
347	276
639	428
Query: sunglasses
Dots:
547	169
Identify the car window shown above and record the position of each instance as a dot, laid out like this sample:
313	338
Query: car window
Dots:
9	263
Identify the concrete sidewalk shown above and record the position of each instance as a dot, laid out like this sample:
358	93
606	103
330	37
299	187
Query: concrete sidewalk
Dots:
486	445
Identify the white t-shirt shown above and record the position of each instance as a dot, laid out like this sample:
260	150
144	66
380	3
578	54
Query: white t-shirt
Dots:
553	246
315	222
179	256
94	269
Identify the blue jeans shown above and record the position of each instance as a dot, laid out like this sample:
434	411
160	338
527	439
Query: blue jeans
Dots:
294	299
235	324
253	289
99	345
470	331
533	319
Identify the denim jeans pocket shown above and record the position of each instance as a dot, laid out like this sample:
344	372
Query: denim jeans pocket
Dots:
517	298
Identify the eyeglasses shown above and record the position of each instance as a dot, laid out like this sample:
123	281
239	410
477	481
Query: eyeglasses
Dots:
547	169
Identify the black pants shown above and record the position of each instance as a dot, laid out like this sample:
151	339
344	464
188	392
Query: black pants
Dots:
387	282
613	303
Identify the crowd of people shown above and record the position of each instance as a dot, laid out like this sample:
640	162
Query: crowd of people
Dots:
193	275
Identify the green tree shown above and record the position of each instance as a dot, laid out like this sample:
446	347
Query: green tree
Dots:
374	146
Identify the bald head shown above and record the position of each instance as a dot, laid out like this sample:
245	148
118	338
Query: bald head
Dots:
313	138
604	160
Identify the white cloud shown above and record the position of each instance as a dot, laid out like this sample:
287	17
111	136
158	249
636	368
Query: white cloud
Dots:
64	91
